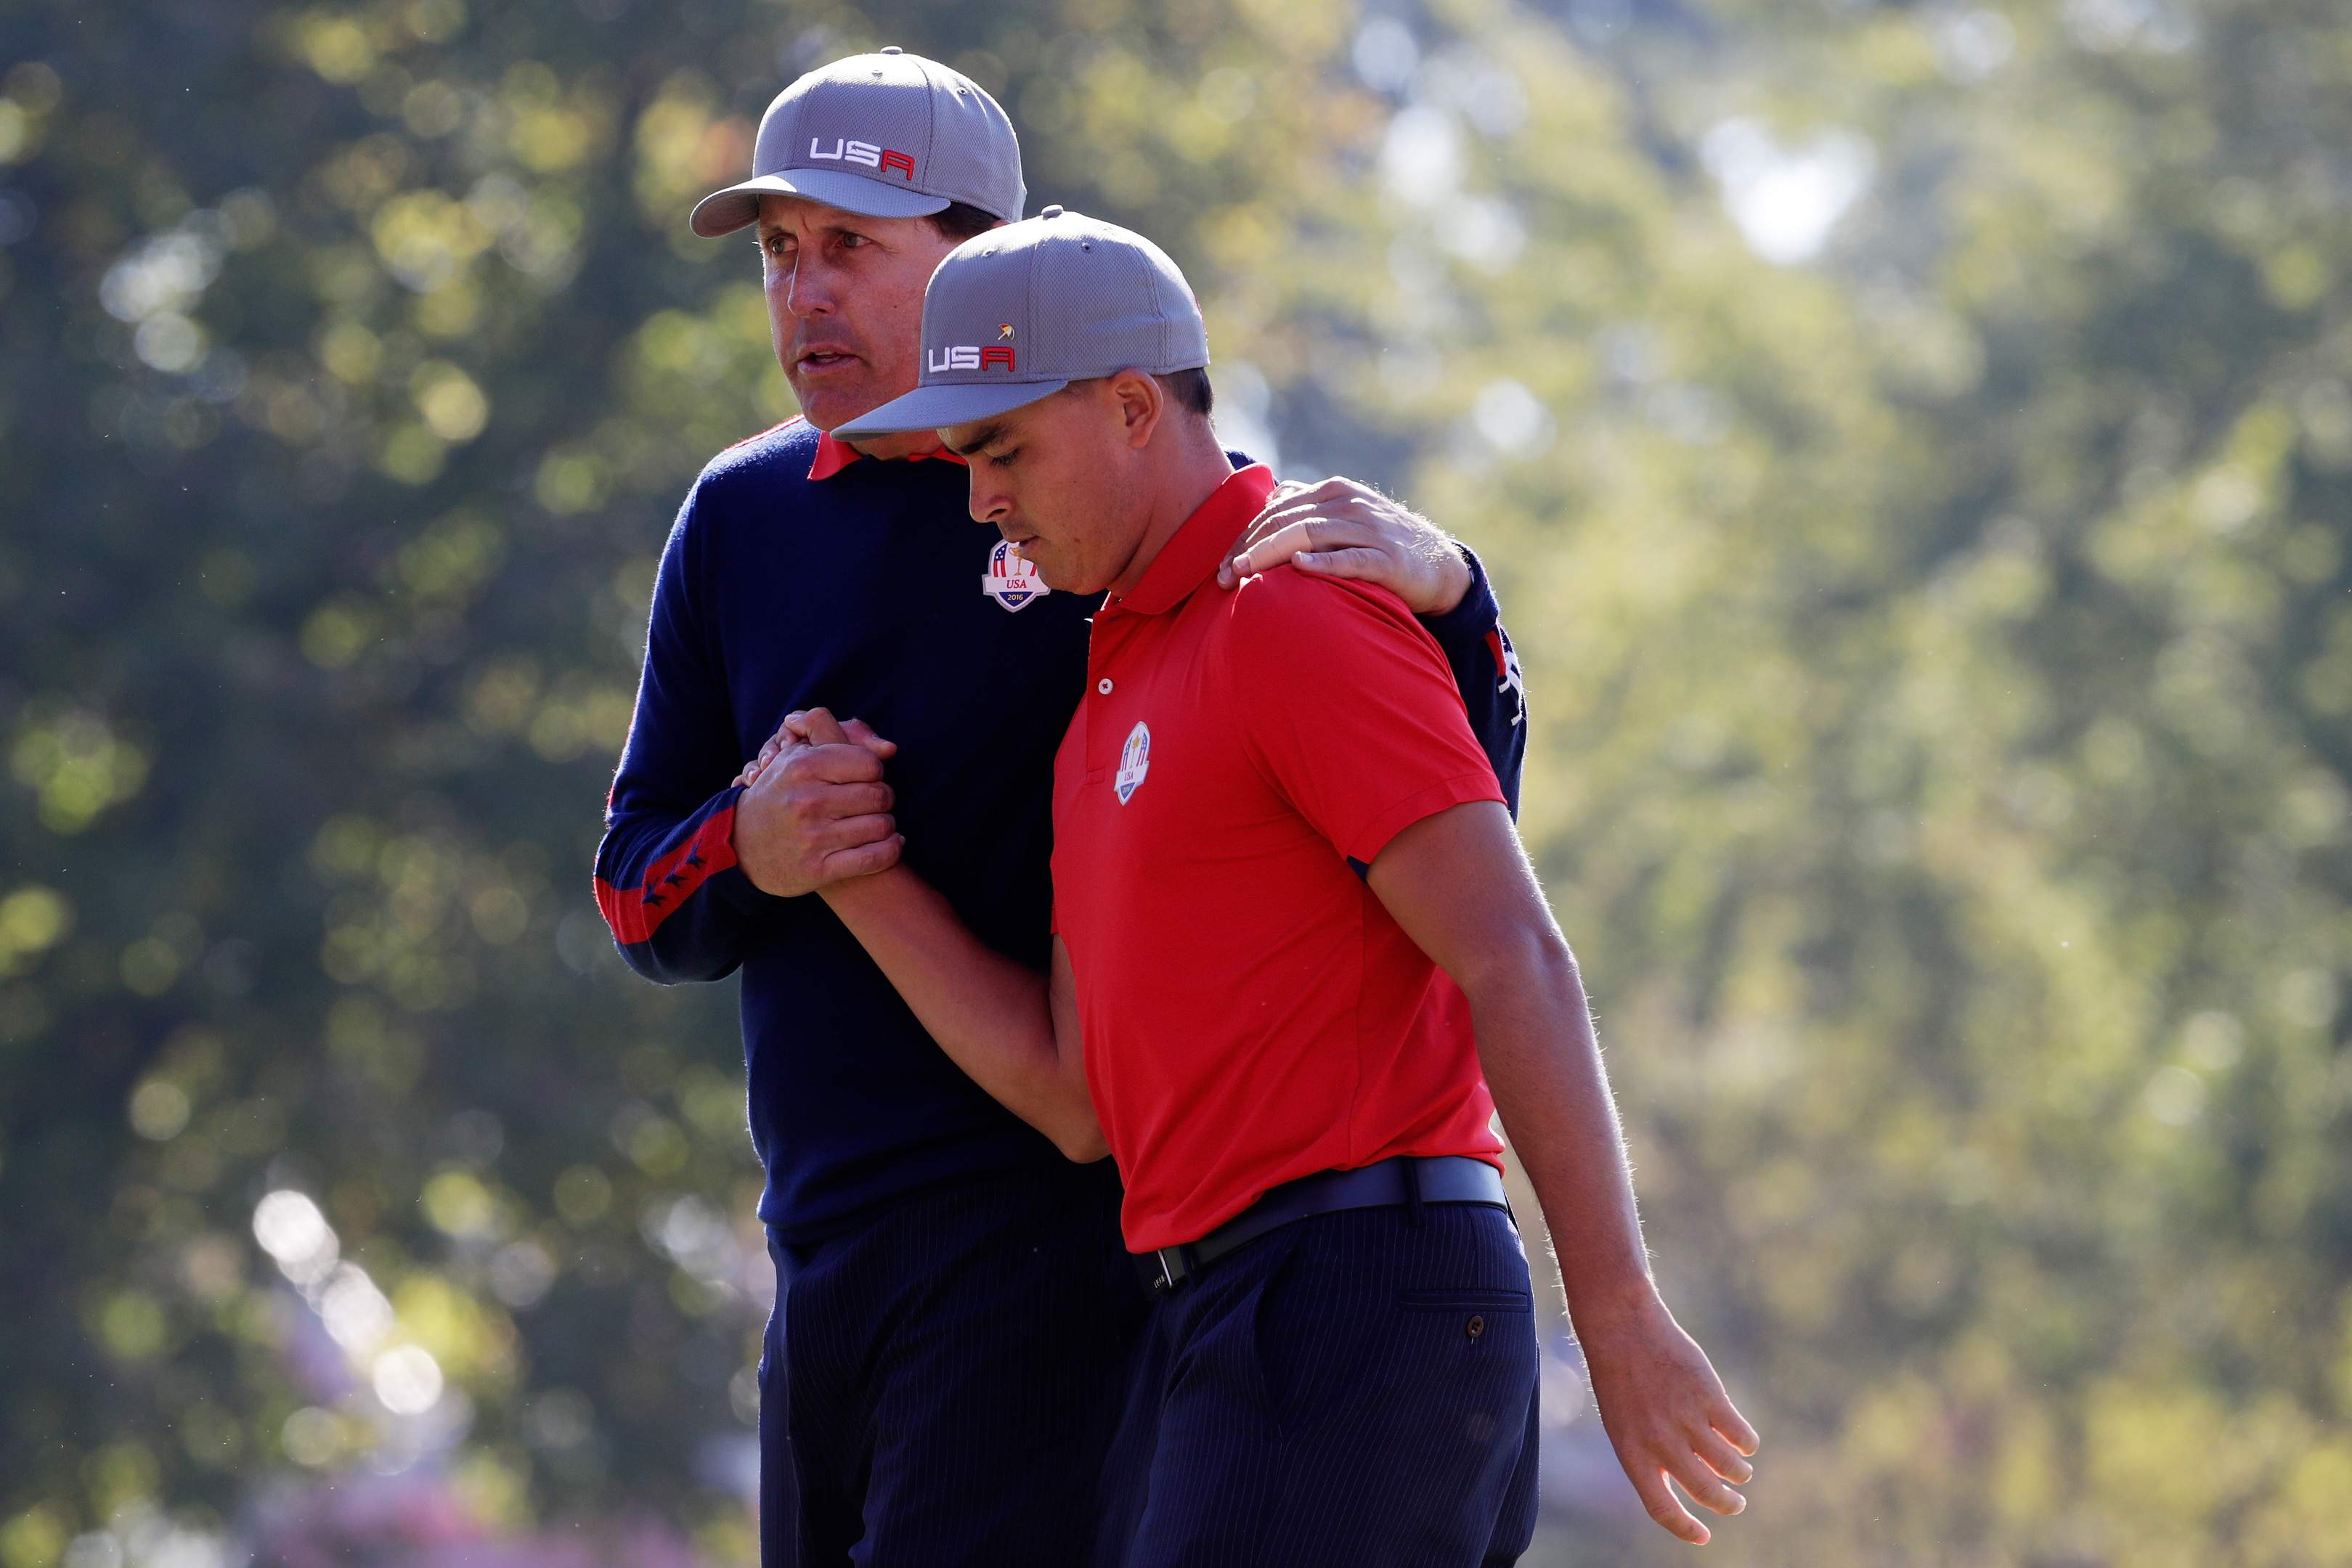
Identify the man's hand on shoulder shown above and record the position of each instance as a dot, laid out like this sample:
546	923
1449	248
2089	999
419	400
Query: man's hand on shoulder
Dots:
1342	529
814	809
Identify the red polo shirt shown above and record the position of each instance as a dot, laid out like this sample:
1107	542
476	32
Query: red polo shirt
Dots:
1252	1012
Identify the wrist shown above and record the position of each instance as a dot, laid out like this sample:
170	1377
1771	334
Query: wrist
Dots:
1457	573
849	891
1606	1312
1454	581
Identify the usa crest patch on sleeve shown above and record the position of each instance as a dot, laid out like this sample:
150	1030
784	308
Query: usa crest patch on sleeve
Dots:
1010	581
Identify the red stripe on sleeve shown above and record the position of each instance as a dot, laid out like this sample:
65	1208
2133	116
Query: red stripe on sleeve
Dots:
635	914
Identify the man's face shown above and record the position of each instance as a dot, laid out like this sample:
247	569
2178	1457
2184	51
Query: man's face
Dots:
1060	478
846	302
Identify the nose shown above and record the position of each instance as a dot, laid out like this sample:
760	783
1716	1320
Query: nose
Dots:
805	289
988	504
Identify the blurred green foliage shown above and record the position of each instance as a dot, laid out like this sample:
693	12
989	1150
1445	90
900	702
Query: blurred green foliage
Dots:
1938	638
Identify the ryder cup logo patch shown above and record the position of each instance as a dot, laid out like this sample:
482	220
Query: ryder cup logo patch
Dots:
1010	581
1134	762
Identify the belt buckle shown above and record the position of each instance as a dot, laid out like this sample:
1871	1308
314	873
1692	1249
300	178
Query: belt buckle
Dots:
1166	1278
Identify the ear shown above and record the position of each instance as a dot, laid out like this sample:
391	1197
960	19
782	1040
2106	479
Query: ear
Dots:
1141	405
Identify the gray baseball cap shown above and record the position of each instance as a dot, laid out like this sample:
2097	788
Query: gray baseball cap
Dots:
1020	312
891	135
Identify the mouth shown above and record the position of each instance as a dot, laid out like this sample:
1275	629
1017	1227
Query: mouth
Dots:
819	360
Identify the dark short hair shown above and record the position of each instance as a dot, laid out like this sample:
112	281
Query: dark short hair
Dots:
958	221
1190	390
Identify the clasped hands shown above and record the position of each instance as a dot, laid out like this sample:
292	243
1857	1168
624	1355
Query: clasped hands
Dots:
815	808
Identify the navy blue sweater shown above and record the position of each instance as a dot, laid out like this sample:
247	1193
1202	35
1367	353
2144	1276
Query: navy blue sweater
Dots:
862	591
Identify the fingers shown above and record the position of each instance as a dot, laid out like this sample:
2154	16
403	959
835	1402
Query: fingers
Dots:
1722	1457
1728	1420
826	840
863	734
818	801
1706	1488
865	860
1316	533
1293	502
1363	563
1659	1500
835	765
1670	1421
819	727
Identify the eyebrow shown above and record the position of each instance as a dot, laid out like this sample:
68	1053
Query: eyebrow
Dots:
987	438
765	230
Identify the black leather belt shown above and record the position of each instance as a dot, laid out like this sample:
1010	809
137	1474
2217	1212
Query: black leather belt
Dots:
1390	1184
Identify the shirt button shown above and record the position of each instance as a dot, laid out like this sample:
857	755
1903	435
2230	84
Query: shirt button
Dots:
1103	685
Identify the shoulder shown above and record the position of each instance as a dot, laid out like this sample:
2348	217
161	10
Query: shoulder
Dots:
1283	623
758	473
749	487
1287	610
779	456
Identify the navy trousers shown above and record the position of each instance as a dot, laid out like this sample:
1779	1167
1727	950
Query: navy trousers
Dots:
1357	1389
939	1386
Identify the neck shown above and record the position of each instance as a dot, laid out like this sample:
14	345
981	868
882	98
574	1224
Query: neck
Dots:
912	443
1187	476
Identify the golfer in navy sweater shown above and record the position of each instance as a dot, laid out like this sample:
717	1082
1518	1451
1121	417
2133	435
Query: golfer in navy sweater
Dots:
943	1371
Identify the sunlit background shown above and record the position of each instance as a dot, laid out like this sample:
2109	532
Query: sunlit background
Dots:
1912	444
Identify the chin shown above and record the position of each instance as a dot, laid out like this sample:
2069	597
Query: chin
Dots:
828	407
1068	583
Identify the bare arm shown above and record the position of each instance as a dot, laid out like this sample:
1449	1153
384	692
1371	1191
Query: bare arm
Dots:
1013	1031
1460	886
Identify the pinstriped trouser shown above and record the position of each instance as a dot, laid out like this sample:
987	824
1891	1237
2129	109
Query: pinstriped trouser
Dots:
939	1384
1357	1389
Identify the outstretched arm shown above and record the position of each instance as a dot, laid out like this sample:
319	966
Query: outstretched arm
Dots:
1462	888
1015	1031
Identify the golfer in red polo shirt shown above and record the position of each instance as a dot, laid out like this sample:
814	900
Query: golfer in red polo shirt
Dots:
1306	959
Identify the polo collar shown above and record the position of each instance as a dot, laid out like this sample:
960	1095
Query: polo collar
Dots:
833	457
1194	551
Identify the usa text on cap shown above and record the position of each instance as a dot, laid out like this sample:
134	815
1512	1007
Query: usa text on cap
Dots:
1020	312
891	135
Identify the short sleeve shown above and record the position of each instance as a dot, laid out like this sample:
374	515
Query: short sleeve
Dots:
1349	709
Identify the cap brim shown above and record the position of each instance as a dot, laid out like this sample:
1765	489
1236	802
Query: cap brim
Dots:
737	207
938	407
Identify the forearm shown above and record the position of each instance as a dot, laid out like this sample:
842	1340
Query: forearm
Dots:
1543	1065
667	887
989	1013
